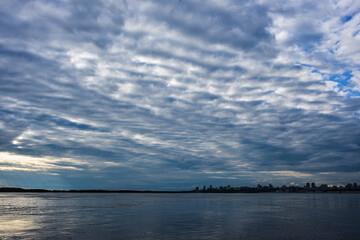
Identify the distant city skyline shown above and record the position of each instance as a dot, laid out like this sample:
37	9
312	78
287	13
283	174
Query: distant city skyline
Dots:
170	95
291	188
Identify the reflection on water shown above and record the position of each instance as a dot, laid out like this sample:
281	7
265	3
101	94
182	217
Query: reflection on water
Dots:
16	228
179	216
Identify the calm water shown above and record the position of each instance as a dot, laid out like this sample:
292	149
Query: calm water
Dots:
179	216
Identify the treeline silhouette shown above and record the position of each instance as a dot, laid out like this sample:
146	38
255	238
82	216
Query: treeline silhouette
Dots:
270	188
221	189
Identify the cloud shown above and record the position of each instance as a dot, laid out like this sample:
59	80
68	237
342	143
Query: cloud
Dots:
169	94
13	162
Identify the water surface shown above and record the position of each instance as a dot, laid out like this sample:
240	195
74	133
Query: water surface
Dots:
179	216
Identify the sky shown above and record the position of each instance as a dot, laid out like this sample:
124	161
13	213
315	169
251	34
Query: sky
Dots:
173	94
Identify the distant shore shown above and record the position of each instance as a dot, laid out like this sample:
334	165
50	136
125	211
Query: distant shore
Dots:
14	189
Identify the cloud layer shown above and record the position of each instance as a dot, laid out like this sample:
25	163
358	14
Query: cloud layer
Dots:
173	94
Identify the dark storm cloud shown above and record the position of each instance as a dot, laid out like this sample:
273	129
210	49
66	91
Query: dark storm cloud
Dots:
158	94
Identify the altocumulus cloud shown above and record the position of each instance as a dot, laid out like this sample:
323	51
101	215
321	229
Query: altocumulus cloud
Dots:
173	94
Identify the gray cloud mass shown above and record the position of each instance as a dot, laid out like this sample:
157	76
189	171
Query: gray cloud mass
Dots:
174	94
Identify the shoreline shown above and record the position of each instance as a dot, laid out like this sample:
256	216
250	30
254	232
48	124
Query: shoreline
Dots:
10	189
